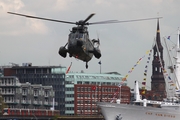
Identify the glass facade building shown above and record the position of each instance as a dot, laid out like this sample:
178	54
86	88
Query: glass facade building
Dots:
72	79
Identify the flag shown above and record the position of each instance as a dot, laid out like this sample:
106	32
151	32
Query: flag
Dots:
120	85
99	62
164	71
168	37
124	79
147	52
170	82
177	90
93	88
9	111
143	83
143	88
68	68
143	92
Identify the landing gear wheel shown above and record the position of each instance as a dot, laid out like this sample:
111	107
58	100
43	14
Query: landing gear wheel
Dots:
97	53
86	65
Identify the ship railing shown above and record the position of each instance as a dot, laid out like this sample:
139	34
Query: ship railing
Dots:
166	103
153	102
161	103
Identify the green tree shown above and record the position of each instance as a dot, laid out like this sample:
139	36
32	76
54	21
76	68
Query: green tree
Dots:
2	104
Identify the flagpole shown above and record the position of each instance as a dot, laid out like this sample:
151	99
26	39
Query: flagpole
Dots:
120	94
94	101
100	65
68	68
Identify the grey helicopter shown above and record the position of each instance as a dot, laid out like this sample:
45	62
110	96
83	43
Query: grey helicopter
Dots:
79	45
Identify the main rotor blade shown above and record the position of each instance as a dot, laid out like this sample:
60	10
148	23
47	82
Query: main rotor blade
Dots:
88	17
117	21
103	22
41	18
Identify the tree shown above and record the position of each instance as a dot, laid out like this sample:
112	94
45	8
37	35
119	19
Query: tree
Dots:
2	105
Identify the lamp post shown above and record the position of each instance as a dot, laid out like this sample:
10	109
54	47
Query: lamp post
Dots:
100	66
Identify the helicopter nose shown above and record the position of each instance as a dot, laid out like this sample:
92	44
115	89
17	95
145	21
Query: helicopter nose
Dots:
79	43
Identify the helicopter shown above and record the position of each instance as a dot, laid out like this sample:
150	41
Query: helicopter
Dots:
79	45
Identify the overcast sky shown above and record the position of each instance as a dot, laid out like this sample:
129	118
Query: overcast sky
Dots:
37	41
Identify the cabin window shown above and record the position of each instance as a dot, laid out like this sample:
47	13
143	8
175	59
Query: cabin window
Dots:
156	69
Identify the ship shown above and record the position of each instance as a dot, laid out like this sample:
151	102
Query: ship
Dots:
113	111
143	109
140	109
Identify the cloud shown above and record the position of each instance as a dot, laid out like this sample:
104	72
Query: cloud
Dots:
62	5
14	5
17	25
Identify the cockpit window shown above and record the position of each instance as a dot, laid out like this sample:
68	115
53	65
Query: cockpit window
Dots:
80	35
76	35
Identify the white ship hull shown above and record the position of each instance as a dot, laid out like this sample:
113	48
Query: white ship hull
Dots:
110	111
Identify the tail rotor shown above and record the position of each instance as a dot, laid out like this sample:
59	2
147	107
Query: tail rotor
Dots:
96	43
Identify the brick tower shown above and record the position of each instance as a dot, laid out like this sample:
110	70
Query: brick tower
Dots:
157	79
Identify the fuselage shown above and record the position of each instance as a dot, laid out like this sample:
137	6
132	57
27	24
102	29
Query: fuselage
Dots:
79	46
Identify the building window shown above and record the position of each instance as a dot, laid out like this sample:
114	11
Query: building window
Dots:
79	82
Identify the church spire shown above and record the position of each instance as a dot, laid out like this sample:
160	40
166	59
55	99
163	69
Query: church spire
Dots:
158	39
157	78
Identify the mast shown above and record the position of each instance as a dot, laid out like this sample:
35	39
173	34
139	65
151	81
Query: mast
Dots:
169	89
178	59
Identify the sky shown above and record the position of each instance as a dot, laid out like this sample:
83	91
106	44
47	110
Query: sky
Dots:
25	40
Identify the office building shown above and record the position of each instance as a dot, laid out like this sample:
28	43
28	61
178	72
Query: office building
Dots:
45	75
82	90
25	95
